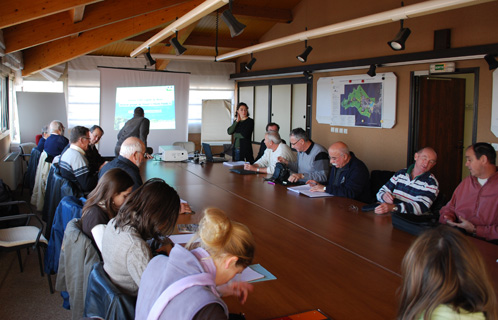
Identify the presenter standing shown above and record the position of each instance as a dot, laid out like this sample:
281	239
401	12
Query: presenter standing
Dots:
138	126
241	129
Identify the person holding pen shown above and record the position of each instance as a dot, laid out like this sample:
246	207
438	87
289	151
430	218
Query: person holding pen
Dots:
349	176
190	282
241	129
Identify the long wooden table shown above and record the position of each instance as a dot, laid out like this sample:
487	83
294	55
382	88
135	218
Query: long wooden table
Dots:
324	254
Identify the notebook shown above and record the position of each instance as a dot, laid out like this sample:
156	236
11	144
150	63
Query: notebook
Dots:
209	155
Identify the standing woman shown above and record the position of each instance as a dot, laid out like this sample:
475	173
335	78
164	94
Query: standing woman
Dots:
105	200
444	277
150	213
242	128
189	284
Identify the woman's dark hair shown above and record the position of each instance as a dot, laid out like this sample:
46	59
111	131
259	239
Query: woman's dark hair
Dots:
111	183
152	210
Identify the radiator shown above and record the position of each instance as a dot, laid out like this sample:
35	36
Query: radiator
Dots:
10	170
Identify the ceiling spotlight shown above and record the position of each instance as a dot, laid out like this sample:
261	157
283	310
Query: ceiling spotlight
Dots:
251	63
490	59
235	26
148	59
371	71
179	49
398	43
304	56
308	75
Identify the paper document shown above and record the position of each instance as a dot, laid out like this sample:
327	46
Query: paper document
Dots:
250	275
234	163
182	238
305	189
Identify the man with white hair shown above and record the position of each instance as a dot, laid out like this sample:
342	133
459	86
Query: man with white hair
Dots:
56	142
131	155
275	148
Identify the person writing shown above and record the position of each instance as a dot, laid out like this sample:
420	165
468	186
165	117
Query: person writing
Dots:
150	213
444	277
189	284
241	129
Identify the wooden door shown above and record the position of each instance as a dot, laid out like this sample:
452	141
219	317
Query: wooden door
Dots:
441	124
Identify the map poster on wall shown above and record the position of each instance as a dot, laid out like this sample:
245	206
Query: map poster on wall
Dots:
357	101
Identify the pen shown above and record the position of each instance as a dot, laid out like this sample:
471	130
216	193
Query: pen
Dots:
270	182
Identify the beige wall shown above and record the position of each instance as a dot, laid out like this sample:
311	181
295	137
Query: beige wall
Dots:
384	148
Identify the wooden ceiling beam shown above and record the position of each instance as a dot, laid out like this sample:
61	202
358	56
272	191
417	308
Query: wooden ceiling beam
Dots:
200	40
61	25
59	51
261	13
15	12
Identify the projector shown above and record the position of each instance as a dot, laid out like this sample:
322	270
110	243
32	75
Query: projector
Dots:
173	153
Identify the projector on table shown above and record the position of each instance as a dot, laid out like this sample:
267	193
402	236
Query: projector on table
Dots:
173	153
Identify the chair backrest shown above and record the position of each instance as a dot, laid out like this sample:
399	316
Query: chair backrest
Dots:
32	166
103	298
378	178
57	188
26	150
189	146
69	208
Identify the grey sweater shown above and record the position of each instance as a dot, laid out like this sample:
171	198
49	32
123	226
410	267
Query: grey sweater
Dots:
313	163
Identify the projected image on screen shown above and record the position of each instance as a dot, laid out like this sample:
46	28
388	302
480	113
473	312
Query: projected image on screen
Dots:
158	103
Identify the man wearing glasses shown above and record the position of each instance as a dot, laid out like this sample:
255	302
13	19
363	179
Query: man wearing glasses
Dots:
74	164
131	155
312	159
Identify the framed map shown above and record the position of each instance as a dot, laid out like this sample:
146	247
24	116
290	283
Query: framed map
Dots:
357	101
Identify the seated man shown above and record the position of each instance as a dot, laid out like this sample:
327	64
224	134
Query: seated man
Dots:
56	142
272	126
95	160
73	163
348	176
411	190
474	205
312	159
275	148
131	155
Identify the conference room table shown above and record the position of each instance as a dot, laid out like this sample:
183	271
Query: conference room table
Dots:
325	252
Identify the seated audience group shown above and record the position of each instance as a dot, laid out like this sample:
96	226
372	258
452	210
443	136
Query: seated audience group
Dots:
140	259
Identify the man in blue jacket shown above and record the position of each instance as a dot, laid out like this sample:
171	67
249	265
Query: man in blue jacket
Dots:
349	176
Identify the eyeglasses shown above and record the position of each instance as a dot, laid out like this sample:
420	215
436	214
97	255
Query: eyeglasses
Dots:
293	144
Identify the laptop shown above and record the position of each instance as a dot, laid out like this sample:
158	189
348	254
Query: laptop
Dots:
209	154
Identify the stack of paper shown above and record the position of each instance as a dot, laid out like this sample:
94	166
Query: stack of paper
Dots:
305	189
234	163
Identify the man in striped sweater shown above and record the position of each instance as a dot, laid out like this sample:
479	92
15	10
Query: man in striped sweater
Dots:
411	190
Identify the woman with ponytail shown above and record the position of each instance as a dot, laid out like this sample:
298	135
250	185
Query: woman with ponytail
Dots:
190	282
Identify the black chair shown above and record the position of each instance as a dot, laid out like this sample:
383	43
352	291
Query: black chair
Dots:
30	174
103	298
378	178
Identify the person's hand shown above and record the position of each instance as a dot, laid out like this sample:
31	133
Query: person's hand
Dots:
388	198
384	208
238	117
448	218
185	207
464	224
282	160
250	167
236	288
315	186
295	177
148	156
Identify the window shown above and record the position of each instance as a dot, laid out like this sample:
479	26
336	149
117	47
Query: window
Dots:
4	106
83	106
195	105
